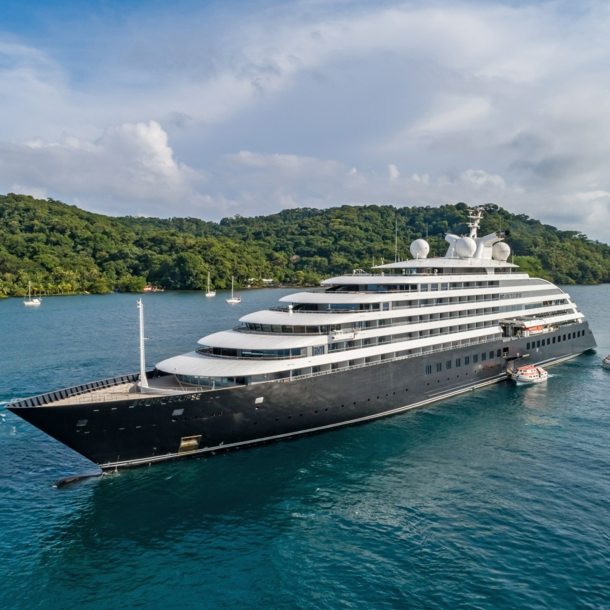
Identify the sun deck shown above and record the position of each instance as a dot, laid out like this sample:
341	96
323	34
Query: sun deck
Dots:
166	385
110	390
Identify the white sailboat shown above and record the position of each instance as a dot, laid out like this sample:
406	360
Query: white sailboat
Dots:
210	293
31	301
235	298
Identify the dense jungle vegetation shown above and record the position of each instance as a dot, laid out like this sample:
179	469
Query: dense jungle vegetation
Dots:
62	249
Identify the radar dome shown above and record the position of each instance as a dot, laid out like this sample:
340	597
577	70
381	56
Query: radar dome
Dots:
419	248
500	251
465	247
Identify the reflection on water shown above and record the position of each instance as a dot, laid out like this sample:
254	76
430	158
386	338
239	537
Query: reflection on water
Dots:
495	499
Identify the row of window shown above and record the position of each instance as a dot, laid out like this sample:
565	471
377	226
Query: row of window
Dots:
549	340
264	354
339	346
428	287
491	355
211	382
326	329
414	303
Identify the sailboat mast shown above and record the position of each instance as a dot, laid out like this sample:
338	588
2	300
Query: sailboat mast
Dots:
143	379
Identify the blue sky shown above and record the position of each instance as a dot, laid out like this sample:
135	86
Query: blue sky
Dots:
222	108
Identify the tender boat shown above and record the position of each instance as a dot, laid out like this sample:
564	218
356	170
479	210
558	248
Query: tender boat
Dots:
529	374
606	362
31	301
235	298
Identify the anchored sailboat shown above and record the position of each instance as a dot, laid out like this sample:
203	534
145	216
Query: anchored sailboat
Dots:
210	293
30	300
235	298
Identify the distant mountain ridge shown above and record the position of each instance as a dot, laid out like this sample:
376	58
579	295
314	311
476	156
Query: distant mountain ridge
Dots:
63	249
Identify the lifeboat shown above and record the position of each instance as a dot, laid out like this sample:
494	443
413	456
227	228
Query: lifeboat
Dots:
529	374
606	362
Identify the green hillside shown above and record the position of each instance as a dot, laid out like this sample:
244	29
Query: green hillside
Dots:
62	249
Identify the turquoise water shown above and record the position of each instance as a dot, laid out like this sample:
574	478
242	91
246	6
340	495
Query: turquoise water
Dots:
496	499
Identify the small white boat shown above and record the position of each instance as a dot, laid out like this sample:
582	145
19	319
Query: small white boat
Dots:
235	298
31	301
606	362
529	374
210	293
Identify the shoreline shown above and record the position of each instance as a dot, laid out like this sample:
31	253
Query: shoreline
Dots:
76	294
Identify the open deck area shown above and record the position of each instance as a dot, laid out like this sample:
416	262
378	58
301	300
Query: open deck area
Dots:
123	388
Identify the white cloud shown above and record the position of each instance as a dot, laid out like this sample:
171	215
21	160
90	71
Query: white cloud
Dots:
480	178
128	163
471	100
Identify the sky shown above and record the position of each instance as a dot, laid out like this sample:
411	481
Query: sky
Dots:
212	109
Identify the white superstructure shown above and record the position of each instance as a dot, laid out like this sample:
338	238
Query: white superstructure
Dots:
400	310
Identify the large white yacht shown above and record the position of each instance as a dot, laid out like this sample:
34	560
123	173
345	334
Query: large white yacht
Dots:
362	346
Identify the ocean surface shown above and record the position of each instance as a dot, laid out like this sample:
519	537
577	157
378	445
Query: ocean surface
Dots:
496	499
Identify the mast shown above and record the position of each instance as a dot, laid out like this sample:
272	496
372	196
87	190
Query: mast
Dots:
208	281
474	215
231	286
143	379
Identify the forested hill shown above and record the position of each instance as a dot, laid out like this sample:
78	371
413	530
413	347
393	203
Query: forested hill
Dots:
60	248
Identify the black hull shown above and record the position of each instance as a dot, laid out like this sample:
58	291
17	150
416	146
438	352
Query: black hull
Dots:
144	430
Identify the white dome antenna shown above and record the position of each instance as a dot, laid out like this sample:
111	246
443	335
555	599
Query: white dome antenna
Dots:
419	249
500	251
465	247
